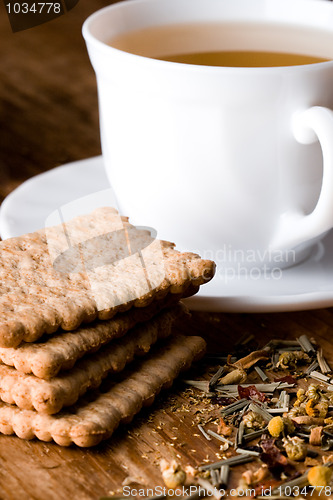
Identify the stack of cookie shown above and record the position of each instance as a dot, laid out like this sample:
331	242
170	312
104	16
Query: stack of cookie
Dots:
100	270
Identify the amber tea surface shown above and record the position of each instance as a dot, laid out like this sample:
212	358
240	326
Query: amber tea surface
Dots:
245	59
229	44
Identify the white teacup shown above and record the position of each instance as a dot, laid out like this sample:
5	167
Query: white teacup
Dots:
233	162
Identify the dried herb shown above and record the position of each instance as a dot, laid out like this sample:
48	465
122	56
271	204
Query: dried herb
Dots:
234	377
172	473
253	435
240	434
306	345
289	359
222	400
251	359
272	456
314	365
246	451
249	407
324	366
261	374
224	475
215	477
213	381
319	376
223	429
260	410
235	406
252	393
220	438
237	460
268	388
203	432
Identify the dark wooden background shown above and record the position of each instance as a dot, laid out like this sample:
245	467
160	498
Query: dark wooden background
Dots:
49	116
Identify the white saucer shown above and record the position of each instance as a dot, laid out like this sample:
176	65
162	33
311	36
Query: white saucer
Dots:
83	186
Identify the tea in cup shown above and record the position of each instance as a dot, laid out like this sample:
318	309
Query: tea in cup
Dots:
216	122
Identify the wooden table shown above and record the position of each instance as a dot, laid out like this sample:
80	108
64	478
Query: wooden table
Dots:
49	116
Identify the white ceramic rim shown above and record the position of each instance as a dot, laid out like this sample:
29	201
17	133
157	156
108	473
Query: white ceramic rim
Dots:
293	12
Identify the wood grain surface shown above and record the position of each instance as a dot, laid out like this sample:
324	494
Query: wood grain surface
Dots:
49	116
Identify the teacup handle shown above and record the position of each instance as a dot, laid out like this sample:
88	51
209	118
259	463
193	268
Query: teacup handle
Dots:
308	126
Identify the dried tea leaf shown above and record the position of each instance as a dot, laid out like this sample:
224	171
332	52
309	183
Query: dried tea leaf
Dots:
272	456
222	400
251	392
224	429
251	359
